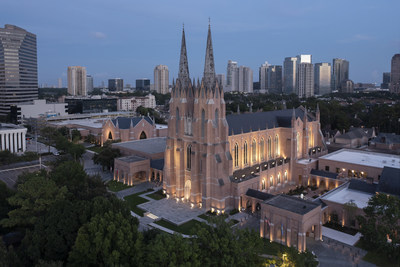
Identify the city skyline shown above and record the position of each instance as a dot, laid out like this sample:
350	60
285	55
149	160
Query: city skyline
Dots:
139	36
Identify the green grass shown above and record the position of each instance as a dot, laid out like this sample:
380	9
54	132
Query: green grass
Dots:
211	216
116	186
96	149
157	195
186	228
133	201
272	248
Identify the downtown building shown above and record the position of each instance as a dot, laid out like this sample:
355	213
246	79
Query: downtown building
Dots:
263	77
395	75
274	79
89	83
304	76
245	80
77	81
115	85
18	66
232	76
161	79
289	75
322	78
340	73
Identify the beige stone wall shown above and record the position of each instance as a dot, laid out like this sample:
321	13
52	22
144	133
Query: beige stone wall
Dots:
131	172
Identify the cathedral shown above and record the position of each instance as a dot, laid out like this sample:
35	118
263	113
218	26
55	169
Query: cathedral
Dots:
212	160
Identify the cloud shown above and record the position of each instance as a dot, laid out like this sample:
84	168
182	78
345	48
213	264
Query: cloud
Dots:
356	38
99	35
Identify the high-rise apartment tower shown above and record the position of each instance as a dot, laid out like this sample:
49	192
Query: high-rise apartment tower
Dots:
161	79
395	74
322	78
77	81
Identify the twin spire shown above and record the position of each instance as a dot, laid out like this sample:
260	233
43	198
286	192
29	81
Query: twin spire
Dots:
209	70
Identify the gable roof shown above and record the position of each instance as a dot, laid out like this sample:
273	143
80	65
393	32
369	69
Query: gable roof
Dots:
322	173
247	122
362	186
125	123
293	204
390	181
258	194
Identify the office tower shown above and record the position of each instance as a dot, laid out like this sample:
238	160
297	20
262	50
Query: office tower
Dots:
263	77
322	78
346	86
340	72
18	67
395	74
304	76
89	84
59	83
232	76
77	81
143	84
161	79
289	75
115	85
245	79
274	78
221	79
385	80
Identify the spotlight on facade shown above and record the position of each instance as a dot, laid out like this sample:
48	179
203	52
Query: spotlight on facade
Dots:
212	209
167	196
191	205
164	191
177	200
200	205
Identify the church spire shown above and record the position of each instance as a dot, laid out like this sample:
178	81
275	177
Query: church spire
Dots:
183	75
209	71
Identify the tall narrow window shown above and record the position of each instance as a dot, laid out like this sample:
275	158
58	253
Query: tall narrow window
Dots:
279	178
263	184
254	150
216	117
236	155
177	121
269	148
310	138
271	181
285	176
262	149
298	145
189	157
276	145
245	153
203	122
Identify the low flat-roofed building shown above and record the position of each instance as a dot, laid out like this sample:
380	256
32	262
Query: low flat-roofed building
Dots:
12	138
38	108
152	148
357	163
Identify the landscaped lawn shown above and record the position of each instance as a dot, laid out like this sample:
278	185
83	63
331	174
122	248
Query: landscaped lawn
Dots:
157	195
134	200
186	228
116	186
272	248
208	216
96	149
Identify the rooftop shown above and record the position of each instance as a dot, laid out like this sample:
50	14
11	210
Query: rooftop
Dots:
321	173
390	181
344	194
9	126
258	194
131	159
149	146
248	122
93	123
370	159
293	204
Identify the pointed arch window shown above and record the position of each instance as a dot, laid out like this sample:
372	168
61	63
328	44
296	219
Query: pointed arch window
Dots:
245	153
203	122
263	184
285	176
216	118
178	118
189	157
271	181
310	138
254	150
298	144
276	145
236	155
262	149
269	147
279	178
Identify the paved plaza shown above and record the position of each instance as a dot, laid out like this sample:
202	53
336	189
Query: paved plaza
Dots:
170	210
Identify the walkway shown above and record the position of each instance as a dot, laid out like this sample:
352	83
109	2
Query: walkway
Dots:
340	236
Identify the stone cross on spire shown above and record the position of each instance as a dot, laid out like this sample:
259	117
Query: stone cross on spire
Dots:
209	70
183	74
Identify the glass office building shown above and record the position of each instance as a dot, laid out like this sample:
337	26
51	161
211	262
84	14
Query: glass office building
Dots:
18	67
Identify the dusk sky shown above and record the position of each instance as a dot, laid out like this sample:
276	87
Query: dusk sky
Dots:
127	39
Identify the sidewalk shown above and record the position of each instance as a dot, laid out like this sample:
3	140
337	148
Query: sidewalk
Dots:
340	236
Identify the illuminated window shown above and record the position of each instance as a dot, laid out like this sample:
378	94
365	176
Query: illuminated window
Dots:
285	176
254	150
236	155
271	181
263	184
279	178
276	145
269	148
262	149
245	153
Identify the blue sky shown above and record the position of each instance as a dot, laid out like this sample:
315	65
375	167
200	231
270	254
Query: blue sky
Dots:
128	38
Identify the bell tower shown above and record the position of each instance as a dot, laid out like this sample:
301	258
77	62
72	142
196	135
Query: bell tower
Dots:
197	158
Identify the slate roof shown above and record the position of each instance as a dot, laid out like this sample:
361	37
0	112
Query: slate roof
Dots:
125	123
259	120
157	164
354	133
149	146
322	173
362	186
293	204
387	138
390	181
258	194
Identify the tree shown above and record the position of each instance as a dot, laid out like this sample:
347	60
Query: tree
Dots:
5	207
49	135
350	209
109	239
75	135
380	225
33	199
106	156
72	175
